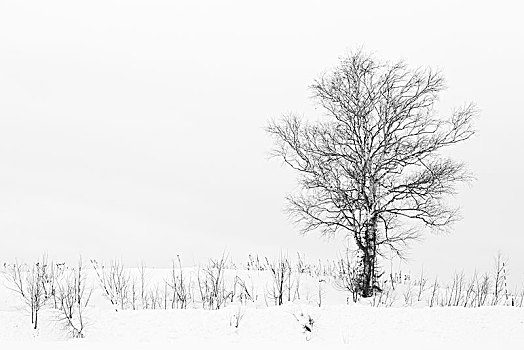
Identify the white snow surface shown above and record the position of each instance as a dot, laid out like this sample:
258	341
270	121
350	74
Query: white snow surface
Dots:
265	326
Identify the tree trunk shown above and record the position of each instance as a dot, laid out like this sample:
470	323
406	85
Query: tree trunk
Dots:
368	272
369	259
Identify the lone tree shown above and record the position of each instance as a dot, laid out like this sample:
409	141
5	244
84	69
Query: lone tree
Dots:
373	167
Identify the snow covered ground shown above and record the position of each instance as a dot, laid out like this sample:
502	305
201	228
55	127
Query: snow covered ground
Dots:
265	326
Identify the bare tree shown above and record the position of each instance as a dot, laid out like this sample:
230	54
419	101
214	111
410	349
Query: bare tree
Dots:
55	274
421	285
470	290
212	286
243	293
180	286
434	293
347	278
499	280
455	296
373	168
281	277
74	296
132	283
483	287
30	283
143	286
519	298
116	283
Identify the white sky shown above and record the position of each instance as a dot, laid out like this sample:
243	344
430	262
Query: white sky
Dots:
134	129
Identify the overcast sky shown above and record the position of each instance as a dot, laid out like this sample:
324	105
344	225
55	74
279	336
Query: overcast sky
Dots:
134	129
